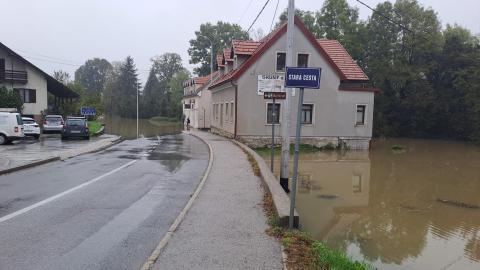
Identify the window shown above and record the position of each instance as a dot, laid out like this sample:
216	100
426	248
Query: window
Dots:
231	111
360	118
273	118
27	95
357	184
187	106
226	112
221	114
280	63
307	112
302	60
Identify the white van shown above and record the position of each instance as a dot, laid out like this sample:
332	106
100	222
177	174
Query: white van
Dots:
11	127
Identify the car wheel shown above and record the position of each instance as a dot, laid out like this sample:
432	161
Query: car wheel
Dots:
36	136
3	139
87	137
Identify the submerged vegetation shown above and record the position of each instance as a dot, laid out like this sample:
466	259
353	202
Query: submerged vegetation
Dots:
303	148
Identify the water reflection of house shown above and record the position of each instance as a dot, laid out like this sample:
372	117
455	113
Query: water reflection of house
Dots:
333	189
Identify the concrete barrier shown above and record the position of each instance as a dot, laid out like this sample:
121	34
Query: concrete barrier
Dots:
281	200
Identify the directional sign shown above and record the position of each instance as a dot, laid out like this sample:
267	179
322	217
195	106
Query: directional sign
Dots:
274	95
88	111
296	77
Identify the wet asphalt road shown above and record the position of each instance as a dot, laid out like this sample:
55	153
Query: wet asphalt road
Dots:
132	193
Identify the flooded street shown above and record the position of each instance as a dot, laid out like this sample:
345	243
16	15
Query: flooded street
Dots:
127	128
417	208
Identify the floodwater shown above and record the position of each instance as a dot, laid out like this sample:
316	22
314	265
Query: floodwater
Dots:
412	209
127	128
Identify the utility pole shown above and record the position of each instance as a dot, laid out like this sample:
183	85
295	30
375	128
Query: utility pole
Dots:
137	110
284	170
211	61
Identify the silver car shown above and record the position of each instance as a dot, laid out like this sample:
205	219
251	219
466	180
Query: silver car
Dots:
53	124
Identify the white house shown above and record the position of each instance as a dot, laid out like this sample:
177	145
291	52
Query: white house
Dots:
33	84
340	112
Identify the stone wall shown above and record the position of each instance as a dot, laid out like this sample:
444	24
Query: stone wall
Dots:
221	132
348	143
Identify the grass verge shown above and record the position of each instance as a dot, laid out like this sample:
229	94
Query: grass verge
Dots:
94	126
164	119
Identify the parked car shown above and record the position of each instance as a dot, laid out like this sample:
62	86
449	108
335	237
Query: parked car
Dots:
11	127
53	124
76	127
30	127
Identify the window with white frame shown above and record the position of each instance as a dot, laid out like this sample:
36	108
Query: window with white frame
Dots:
307	114
360	116
273	115
231	111
280	62
302	60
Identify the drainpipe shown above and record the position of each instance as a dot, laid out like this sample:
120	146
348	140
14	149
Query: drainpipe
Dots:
236	109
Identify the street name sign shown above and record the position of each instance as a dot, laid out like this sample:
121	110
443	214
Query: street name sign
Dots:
88	111
296	77
274	95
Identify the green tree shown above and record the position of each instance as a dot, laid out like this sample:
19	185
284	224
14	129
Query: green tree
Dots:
10	99
62	76
157	94
92	74
176	87
128	85
220	35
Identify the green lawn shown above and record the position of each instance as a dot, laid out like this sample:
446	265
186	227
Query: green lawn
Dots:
94	126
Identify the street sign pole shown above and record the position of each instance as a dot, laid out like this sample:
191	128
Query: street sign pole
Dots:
301	78
274	118
295	159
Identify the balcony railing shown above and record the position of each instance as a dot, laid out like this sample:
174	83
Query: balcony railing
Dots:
15	76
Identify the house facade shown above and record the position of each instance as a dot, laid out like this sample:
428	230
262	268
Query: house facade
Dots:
340	112
197	101
33	84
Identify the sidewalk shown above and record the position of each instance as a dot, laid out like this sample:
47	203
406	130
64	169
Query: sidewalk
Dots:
30	153
225	228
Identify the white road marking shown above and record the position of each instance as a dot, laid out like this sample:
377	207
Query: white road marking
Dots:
38	204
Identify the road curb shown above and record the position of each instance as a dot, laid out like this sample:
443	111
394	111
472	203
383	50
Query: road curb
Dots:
281	200
29	165
164	241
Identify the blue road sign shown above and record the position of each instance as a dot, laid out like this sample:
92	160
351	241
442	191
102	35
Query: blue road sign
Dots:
88	111
296	77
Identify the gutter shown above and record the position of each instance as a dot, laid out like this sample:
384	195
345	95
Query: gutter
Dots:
236	109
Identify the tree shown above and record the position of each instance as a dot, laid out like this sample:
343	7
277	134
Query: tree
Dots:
10	99
308	18
128	85
62	76
157	94
220	35
92	74
176	88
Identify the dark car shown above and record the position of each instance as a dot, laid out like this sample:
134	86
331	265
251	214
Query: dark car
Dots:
76	127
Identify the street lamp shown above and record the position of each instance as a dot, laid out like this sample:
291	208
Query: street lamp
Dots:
137	111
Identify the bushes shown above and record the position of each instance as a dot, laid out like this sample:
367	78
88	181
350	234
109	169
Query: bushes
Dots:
10	99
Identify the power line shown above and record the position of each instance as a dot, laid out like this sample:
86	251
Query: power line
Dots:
48	57
274	15
245	11
394	22
258	15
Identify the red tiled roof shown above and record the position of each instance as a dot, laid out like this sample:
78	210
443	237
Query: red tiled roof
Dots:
200	80
342	60
331	50
220	60
226	54
245	47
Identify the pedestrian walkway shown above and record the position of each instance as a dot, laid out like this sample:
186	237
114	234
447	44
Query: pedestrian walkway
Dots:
225	228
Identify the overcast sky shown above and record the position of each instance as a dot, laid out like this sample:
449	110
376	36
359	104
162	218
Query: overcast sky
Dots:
62	34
